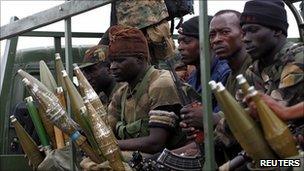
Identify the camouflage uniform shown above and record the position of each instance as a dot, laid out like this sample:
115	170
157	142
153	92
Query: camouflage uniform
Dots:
149	16
140	14
283	80
105	99
232	84
136	111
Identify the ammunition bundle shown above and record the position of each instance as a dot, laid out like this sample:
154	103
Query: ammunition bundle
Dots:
244	129
90	117
48	80
275	130
88	92
59	117
38	124
104	137
273	139
79	110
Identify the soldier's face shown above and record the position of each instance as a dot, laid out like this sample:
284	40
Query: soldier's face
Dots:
99	76
225	35
125	68
260	41
189	49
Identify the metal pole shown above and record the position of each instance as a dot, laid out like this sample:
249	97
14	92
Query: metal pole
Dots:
68	66
7	63
206	93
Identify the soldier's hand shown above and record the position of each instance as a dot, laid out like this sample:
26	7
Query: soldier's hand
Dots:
192	116
252	107
276	106
190	131
253	110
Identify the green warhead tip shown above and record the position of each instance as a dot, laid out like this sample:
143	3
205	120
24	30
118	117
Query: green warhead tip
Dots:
46	77
37	121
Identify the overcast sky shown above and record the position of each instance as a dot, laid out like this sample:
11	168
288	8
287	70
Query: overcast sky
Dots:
95	20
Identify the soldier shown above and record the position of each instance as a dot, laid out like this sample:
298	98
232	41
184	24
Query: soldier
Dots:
283	112
277	68
189	49
188	41
146	108
96	69
226	42
278	64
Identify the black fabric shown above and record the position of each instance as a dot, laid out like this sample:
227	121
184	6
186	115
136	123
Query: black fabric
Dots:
269	13
191	27
179	8
170	108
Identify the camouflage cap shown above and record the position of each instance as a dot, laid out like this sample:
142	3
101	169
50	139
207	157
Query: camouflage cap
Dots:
95	55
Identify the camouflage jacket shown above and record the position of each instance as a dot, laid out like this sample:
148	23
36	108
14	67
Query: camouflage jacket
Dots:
138	110
107	99
139	13
232	84
283	80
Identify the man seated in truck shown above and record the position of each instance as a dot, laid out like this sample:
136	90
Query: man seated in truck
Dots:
145	110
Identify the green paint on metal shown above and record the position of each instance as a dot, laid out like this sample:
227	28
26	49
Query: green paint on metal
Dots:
205	78
9	55
14	163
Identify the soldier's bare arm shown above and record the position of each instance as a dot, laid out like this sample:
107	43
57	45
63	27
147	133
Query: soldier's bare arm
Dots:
153	143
